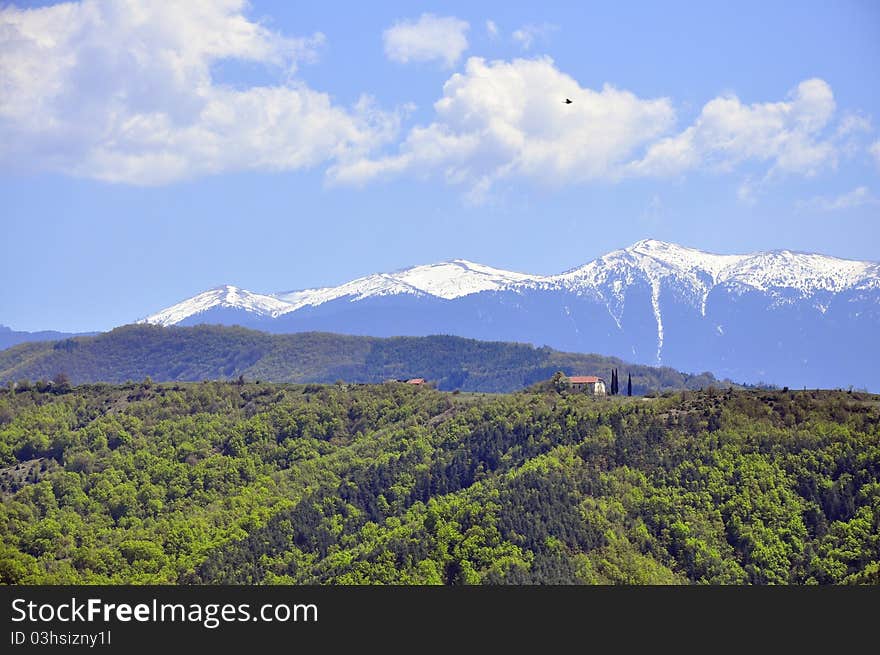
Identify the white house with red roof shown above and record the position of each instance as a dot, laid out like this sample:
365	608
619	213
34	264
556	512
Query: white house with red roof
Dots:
587	383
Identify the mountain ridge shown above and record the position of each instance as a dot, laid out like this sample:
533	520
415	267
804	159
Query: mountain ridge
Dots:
203	352
10	337
650	256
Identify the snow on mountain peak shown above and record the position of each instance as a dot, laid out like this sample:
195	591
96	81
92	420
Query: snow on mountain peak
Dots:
459	277
226	296
683	259
447	280
654	260
805	273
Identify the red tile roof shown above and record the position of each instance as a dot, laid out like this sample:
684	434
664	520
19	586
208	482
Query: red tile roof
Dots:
584	379
416	381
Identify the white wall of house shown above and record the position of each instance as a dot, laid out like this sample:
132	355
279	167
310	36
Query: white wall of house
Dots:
595	388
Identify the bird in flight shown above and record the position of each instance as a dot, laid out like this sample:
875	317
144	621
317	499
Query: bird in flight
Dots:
568	101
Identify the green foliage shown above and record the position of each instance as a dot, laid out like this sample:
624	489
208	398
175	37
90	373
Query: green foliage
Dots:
152	353
240	482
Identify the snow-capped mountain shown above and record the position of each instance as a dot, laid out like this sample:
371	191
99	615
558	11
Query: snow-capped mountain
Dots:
699	272
225	297
447	280
775	316
691	275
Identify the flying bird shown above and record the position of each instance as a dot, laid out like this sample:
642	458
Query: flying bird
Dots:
567	101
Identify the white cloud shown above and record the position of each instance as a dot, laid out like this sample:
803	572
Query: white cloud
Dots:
502	120
849	137
124	93
524	38
526	35
853	124
786	135
499	120
427	39
491	29
858	197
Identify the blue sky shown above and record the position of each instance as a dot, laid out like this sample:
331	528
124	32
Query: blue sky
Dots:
148	153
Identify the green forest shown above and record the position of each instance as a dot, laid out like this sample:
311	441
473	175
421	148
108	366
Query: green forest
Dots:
213	352
225	482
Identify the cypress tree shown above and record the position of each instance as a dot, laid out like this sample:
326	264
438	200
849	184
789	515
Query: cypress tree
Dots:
629	384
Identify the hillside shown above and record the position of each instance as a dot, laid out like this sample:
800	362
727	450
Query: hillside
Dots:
215	352
368	484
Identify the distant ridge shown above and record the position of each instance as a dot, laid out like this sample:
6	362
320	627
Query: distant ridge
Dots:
10	337
215	352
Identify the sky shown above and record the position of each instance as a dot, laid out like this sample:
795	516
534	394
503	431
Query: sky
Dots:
150	150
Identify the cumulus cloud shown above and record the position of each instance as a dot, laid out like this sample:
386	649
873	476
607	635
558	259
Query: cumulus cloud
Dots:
858	197
430	38
502	119
787	135
124	92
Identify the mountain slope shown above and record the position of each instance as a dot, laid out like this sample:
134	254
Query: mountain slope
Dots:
214	352
784	317
217	483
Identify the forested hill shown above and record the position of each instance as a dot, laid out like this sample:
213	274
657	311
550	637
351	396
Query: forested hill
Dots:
365	484
216	353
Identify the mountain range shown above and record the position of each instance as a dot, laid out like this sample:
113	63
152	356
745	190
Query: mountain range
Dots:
782	317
